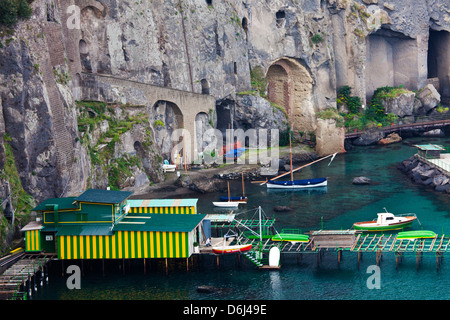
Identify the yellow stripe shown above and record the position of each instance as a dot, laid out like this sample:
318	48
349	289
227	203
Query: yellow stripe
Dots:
107	239
183	244
88	247
170	245
125	235
69	248
113	241
74	249
94	246
164	245
61	247
139	254
81	248
144	238
32	240
120	244
100	247
152	251
158	249
177	245
133	242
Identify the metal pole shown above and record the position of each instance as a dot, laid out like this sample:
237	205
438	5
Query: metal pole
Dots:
260	225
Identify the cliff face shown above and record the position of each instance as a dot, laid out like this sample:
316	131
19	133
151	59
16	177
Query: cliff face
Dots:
304	49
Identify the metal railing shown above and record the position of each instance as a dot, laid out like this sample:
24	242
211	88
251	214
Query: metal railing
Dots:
399	124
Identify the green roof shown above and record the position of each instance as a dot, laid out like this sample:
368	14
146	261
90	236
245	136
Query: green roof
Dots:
103	196
63	204
85	230
152	203
159	222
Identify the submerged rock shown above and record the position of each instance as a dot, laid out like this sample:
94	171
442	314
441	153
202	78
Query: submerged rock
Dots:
282	209
361	181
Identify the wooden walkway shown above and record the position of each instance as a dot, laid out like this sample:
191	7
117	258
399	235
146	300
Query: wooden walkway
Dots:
427	125
362	243
19	280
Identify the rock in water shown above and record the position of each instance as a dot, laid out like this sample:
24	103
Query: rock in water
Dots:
361	180
392	138
282	209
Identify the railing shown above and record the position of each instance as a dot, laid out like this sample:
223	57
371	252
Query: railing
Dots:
437	163
425	121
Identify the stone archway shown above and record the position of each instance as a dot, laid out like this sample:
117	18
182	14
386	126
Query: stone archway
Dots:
166	117
290	86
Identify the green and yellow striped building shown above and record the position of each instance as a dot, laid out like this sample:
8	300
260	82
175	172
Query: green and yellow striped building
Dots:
104	224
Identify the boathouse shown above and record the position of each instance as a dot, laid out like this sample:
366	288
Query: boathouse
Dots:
105	224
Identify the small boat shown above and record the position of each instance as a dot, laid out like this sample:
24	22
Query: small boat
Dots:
291	237
298	184
168	167
234	154
232	249
418	234
226	204
241	199
230	202
386	221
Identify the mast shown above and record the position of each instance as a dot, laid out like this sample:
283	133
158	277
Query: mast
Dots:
260	225
290	156
243	189
228	184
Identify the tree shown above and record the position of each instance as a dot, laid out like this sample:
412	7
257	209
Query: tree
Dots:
13	10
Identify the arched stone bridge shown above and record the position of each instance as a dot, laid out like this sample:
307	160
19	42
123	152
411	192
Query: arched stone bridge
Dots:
186	105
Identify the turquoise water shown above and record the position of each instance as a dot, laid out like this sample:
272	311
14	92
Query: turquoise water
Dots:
337	207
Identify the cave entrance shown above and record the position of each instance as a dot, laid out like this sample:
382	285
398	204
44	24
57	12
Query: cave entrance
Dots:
290	87
438	62
391	60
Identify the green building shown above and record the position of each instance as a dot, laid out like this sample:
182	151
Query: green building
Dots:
105	224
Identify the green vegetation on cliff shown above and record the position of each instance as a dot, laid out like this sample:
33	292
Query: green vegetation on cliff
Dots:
357	117
22	202
92	114
13	10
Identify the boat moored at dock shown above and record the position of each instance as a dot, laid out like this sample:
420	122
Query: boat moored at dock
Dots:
232	249
417	234
387	221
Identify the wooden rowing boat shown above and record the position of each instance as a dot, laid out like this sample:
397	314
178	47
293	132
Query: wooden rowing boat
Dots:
232	249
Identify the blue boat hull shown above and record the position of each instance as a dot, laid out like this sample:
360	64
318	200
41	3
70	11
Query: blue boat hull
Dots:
298	184
233	199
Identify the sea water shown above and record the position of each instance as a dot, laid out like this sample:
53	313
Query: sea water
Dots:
303	277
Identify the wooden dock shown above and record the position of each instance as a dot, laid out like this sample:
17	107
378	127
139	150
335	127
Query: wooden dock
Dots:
21	277
353	241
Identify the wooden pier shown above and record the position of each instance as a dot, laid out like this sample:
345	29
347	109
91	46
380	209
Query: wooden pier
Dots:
353	241
23	274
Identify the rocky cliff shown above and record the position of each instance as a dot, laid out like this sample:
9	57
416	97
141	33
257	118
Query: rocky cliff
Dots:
206	53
